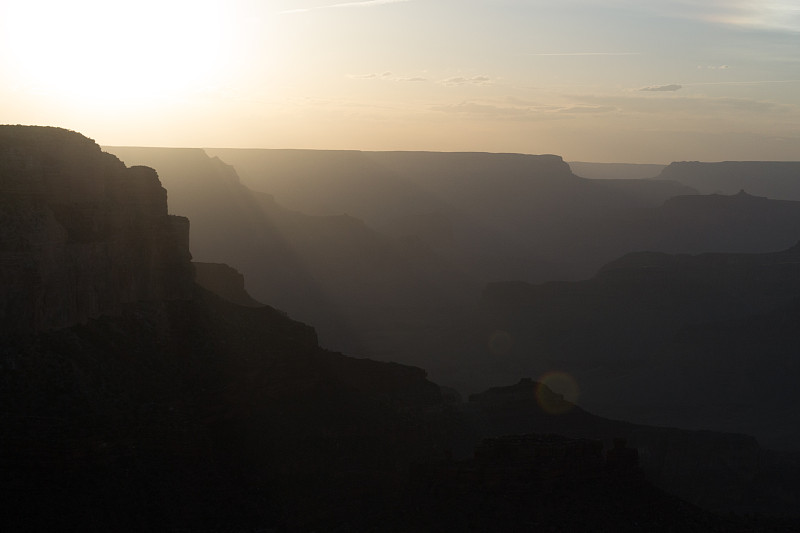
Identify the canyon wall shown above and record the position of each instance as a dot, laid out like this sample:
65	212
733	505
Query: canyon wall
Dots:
81	233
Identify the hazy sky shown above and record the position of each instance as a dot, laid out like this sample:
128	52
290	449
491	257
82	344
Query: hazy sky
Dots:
593	80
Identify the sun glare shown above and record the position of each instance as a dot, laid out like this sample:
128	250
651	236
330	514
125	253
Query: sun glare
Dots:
88	52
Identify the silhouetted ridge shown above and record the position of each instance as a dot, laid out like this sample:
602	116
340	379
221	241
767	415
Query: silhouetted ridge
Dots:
526	390
735	223
695	341
740	198
714	265
773	179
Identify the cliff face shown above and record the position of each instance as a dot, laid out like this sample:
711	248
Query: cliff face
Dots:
335	271
80	233
122	379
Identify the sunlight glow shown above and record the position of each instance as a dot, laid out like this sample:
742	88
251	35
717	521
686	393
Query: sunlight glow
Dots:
88	52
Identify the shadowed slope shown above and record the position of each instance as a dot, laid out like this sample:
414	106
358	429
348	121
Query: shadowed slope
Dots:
667	339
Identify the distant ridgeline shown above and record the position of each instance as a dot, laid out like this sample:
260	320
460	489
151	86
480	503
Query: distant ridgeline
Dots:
773	179
386	253
615	170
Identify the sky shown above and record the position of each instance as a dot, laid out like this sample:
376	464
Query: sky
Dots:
638	81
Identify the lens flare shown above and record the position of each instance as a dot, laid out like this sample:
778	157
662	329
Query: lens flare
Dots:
557	392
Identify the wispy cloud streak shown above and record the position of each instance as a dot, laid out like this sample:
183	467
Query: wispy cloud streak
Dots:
386	76
475	80
753	82
662	88
768	14
365	3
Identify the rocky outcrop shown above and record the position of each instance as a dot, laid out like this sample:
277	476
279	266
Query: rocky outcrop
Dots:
224	281
80	233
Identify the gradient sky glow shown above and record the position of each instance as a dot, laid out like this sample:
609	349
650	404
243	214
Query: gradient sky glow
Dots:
613	80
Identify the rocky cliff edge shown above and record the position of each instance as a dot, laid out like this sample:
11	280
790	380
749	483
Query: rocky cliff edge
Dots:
81	233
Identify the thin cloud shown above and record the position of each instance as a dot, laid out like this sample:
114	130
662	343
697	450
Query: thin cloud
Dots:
386	76
662	88
582	109
522	112
768	14
587	54
771	14
630	105
483	110
366	3
693	105
754	82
